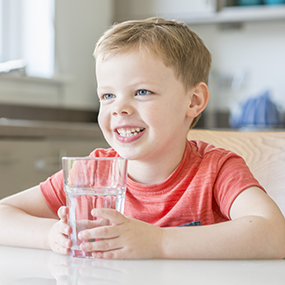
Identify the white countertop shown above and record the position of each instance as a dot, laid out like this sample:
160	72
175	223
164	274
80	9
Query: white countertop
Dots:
19	266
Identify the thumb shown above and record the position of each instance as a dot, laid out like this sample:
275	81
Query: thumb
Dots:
62	213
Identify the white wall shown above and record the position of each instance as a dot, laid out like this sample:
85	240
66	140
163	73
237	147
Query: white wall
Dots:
257	50
79	24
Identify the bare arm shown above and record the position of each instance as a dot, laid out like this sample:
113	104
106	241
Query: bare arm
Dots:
257	230
26	220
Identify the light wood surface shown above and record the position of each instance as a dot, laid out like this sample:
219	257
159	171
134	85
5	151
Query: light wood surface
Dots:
264	153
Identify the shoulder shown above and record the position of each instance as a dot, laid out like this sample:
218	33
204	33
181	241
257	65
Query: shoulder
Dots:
214	158
204	149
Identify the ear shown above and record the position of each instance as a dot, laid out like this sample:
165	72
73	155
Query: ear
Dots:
198	99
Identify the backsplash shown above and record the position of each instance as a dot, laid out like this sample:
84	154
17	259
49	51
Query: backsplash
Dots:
22	112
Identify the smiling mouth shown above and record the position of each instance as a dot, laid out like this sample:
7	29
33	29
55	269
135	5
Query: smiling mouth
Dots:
129	132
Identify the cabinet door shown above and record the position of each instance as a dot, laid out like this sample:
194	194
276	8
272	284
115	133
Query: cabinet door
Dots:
17	165
179	9
51	161
26	163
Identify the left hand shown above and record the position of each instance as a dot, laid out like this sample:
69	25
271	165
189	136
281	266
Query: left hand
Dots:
58	235
124	238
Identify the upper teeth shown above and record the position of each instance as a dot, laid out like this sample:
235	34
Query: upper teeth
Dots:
129	131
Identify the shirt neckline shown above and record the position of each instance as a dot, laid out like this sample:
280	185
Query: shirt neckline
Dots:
164	186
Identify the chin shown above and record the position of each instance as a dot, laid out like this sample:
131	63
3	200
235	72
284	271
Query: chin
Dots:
127	153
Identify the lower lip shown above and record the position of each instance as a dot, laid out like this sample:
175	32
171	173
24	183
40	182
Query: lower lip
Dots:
128	139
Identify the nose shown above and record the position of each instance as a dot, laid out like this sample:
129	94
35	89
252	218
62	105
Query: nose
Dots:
122	107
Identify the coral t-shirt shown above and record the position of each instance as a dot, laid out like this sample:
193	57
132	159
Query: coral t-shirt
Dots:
202	188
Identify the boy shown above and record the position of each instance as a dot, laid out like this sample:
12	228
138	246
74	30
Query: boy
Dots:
152	85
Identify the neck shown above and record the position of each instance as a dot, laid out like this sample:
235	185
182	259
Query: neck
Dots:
155	171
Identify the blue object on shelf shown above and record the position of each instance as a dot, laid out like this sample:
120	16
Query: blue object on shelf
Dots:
274	2
258	112
249	2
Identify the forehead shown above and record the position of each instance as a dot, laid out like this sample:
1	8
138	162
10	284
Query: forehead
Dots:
134	60
143	50
133	68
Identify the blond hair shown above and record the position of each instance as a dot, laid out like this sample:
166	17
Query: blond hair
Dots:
174	42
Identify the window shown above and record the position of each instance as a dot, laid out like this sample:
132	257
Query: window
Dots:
27	32
1	40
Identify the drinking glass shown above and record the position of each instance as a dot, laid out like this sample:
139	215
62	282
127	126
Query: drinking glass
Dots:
92	182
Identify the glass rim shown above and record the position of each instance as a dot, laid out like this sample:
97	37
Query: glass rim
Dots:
93	158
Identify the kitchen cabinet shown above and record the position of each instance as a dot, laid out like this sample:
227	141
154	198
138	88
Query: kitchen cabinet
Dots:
179	9
31	152
197	12
231	14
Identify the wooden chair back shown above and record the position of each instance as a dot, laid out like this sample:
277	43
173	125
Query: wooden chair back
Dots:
264	153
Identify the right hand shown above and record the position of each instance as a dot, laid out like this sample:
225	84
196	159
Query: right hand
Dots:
58	235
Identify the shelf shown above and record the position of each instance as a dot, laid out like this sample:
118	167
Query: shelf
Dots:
241	14
31	128
17	77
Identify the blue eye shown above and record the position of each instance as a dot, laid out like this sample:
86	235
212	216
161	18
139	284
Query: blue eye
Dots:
108	96
143	92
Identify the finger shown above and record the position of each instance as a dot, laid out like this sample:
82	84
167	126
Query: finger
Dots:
61	250
101	245
63	241
110	214
99	233
112	254
61	245
62	213
98	223
64	228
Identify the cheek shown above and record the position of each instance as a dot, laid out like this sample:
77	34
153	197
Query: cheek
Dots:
156	120
102	120
162	114
104	125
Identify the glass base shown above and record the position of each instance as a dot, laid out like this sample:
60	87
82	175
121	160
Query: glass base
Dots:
80	253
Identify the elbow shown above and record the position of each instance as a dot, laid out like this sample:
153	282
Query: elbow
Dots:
280	252
278	248
270	243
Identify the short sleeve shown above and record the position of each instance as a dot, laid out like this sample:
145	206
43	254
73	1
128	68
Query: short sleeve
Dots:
53	191
233	177
53	188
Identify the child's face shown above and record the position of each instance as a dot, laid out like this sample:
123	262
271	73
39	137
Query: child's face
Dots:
143	106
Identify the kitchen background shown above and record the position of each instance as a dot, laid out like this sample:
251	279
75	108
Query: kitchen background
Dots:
247	43
47	73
